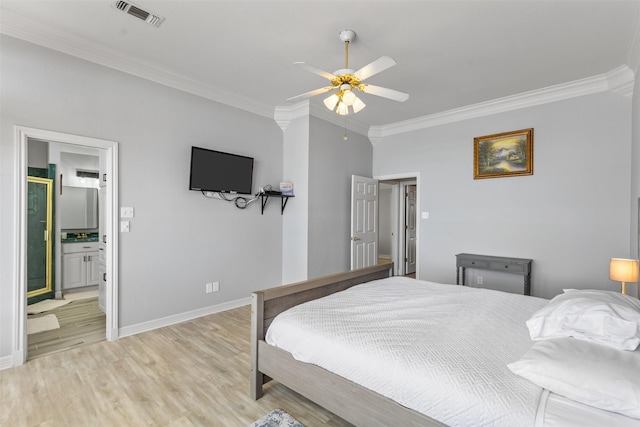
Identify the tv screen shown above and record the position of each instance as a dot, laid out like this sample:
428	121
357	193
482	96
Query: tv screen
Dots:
220	172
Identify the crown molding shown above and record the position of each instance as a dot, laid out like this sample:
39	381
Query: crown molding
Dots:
284	115
619	80
17	26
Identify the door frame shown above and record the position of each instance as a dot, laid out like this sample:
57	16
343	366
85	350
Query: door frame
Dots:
22	136
398	242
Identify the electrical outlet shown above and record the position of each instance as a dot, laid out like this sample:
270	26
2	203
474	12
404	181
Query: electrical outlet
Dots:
215	286
208	288
479	280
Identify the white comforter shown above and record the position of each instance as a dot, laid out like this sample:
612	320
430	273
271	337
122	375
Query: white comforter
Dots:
441	350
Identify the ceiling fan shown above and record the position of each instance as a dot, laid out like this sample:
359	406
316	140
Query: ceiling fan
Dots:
346	80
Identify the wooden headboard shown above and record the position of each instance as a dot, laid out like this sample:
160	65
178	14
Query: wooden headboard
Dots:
268	303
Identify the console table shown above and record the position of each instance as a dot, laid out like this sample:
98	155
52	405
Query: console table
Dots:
520	266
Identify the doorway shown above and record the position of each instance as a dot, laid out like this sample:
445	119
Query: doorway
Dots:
399	225
108	173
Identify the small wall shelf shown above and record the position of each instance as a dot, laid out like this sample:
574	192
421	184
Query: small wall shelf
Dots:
264	198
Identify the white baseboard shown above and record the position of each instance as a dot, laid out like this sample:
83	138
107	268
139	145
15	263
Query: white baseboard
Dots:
6	362
182	317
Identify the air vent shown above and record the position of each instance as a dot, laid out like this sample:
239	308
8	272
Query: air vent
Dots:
138	12
87	174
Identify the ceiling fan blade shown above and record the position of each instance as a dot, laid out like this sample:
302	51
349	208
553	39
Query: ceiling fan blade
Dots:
327	75
384	92
310	94
375	67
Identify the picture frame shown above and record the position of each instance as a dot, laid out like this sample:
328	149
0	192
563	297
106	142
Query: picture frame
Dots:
503	154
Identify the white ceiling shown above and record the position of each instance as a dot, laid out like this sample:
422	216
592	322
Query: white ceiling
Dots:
449	54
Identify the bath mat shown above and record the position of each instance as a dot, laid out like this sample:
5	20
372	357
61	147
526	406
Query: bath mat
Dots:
277	418
46	305
41	324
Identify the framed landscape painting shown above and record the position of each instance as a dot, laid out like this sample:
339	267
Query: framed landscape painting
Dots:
503	154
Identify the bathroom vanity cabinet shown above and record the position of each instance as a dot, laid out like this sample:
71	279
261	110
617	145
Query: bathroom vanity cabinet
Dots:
80	265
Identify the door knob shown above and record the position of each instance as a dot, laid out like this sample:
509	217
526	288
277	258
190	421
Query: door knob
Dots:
355	238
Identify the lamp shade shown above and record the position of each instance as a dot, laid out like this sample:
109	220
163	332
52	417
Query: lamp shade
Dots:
623	270
342	109
358	105
348	97
331	101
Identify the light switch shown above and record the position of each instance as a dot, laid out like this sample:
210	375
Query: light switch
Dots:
124	226
126	212
425	215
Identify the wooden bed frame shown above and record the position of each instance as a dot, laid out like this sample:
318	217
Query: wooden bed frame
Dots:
352	402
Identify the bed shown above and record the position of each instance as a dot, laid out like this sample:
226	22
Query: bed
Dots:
388	394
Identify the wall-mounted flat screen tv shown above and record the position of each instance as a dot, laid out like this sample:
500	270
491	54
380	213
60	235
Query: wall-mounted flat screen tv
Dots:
220	172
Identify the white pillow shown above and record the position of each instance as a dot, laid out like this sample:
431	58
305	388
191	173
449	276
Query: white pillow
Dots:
589	373
605	317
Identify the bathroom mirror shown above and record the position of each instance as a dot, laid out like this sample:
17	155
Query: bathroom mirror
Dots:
79	208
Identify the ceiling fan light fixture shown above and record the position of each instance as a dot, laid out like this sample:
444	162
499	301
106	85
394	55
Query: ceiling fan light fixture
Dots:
358	105
342	109
349	97
345	80
331	101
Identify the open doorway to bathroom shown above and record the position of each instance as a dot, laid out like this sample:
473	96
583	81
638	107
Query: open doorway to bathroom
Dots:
67	271
63	261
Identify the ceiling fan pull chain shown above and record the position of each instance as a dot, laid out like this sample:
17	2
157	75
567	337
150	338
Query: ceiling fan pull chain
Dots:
345	128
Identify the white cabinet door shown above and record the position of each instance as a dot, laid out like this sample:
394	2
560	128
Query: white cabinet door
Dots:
93	268
80	264
73	271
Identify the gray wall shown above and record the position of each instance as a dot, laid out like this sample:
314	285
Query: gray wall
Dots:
179	240
570	217
332	161
635	171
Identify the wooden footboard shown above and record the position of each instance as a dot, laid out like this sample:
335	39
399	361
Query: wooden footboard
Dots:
346	399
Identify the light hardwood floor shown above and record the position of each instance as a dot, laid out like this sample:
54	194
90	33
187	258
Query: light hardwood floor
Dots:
194	373
81	322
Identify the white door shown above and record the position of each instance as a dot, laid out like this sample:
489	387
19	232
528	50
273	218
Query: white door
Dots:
410	229
364	222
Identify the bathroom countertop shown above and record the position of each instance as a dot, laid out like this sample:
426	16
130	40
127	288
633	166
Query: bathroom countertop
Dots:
80	237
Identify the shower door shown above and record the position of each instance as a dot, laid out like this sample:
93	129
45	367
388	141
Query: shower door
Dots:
39	239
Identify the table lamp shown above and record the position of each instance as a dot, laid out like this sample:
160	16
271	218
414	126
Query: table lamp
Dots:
623	270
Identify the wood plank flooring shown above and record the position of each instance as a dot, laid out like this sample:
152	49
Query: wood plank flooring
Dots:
81	322
194	373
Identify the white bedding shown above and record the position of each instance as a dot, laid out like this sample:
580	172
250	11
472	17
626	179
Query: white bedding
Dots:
558	411
441	350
